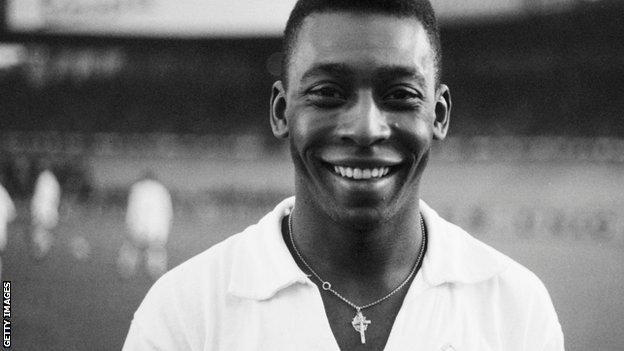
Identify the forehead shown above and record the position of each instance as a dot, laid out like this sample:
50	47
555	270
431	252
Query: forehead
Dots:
363	42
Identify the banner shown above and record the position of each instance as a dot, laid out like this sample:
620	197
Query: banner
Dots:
213	18
152	18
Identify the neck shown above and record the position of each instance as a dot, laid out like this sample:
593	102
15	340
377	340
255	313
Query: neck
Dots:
383	251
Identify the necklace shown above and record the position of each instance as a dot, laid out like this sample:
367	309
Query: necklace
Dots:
359	322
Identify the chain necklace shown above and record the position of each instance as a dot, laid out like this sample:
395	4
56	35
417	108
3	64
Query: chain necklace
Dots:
359	322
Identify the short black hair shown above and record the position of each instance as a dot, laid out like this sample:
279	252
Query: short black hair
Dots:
418	9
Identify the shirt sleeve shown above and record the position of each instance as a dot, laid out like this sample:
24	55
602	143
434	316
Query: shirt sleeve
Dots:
156	324
137	340
545	332
555	343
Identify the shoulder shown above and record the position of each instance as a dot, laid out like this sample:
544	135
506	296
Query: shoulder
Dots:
516	287
490	268
488	281
525	304
180	307
515	296
518	300
187	304
455	256
207	272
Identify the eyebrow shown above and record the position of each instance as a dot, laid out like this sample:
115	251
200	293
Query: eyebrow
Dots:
385	73
333	69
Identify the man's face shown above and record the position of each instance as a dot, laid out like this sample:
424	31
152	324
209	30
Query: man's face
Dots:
360	112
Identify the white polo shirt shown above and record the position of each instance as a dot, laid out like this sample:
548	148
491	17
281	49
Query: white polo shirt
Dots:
247	293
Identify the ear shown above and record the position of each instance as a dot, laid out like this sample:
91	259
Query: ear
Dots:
279	124
442	112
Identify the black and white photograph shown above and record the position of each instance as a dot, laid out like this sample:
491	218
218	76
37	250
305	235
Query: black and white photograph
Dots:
436	175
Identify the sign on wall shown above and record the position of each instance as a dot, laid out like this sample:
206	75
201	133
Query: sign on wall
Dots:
200	18
180	18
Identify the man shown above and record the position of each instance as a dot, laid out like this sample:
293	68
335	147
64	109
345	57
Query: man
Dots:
148	220
359	262
44	210
7	214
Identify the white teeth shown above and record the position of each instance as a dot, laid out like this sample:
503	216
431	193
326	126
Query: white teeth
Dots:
357	173
361	173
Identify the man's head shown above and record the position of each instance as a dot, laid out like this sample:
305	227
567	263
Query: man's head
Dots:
420	10
361	109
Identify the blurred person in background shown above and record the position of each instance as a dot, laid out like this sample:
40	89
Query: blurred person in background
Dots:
148	221
7	214
44	210
357	261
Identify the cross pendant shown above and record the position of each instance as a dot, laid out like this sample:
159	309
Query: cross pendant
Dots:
360	324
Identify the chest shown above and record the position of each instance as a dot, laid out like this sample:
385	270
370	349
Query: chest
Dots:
305	318
367	330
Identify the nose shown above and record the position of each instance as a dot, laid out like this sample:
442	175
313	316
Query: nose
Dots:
364	124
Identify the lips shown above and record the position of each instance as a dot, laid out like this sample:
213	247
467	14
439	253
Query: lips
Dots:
359	164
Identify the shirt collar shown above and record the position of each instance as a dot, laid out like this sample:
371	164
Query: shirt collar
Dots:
262	264
454	256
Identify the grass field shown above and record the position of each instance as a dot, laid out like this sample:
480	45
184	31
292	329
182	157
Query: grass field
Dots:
62	303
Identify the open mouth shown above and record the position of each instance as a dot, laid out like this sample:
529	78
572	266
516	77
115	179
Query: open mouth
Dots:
360	173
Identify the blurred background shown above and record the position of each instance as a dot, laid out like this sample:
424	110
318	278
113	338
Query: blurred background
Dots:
100	91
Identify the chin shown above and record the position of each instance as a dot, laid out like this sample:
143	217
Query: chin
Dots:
361	216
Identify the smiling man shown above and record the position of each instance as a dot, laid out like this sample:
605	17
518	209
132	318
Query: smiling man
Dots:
355	261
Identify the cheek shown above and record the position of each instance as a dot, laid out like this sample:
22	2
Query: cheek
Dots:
307	129
415	134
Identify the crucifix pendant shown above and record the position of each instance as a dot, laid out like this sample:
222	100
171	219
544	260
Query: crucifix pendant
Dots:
360	324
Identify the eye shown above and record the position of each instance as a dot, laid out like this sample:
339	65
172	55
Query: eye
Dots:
327	91
402	98
401	94
326	96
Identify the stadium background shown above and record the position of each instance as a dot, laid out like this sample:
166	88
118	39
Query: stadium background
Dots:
533	165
